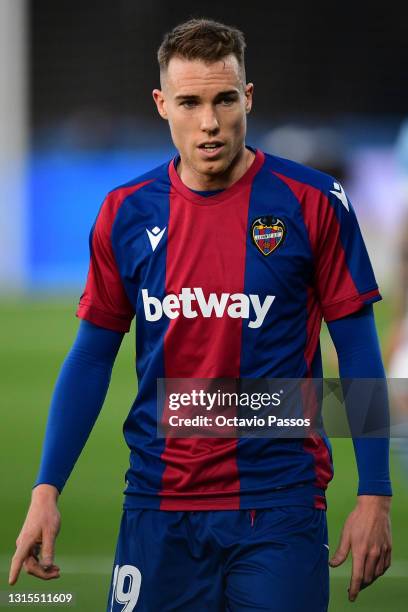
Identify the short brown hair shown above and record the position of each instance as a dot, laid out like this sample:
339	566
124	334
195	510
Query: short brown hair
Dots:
202	39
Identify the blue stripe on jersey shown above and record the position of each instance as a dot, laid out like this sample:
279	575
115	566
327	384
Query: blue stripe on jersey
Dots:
142	211
317	365
275	349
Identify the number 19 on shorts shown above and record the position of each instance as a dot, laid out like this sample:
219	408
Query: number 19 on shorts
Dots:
126	587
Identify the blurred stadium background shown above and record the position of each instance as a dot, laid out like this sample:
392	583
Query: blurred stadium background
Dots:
77	119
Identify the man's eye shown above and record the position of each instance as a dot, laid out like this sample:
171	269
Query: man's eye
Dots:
189	104
227	101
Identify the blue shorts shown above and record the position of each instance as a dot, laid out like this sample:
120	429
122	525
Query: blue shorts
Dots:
273	559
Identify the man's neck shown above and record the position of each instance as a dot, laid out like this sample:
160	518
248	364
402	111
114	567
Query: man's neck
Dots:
209	182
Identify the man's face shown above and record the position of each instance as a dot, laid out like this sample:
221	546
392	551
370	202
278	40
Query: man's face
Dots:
206	107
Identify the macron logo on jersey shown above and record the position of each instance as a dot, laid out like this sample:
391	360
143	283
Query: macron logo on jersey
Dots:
155	235
339	192
191	302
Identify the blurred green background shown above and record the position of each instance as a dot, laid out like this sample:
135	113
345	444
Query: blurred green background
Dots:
36	335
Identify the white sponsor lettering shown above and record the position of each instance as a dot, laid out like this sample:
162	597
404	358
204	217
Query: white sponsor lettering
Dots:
235	305
214	303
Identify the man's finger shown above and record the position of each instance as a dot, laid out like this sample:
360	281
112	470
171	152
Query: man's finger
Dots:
341	553
21	553
47	555
34	568
356	576
370	566
15	569
380	567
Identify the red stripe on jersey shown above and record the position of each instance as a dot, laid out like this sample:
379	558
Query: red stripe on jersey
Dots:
314	444
333	281
314	320
320	502
352	304
104	301
202	472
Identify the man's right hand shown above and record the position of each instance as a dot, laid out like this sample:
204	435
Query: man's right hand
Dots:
35	543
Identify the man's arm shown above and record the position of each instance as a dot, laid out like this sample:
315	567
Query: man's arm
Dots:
77	400
367	531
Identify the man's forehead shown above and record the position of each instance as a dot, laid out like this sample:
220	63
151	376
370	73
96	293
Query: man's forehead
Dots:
183	74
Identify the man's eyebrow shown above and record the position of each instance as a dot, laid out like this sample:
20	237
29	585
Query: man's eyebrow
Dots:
186	97
220	94
229	92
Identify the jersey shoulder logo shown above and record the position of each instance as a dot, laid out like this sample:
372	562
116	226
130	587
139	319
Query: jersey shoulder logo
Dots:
267	234
339	192
155	235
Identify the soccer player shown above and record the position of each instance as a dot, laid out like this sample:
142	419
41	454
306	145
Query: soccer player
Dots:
229	257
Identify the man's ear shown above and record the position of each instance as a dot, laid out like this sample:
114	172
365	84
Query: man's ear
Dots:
249	92
158	97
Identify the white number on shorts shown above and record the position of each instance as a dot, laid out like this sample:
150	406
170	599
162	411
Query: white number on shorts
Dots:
131	595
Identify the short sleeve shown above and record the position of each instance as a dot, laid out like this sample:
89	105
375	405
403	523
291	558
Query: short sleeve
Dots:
343	276
104	301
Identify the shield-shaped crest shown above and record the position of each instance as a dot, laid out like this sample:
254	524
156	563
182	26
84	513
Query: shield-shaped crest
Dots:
268	233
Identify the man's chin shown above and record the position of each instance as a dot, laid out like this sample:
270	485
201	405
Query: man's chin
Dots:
212	167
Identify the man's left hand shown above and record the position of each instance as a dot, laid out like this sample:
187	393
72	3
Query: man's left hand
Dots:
367	532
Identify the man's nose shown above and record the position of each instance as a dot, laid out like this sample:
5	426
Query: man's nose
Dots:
209	120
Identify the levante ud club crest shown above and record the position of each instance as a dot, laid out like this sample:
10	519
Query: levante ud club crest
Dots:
268	233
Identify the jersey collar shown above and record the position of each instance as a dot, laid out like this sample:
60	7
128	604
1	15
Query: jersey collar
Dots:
245	179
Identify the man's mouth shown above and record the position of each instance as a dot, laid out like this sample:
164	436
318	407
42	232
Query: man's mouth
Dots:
210	149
